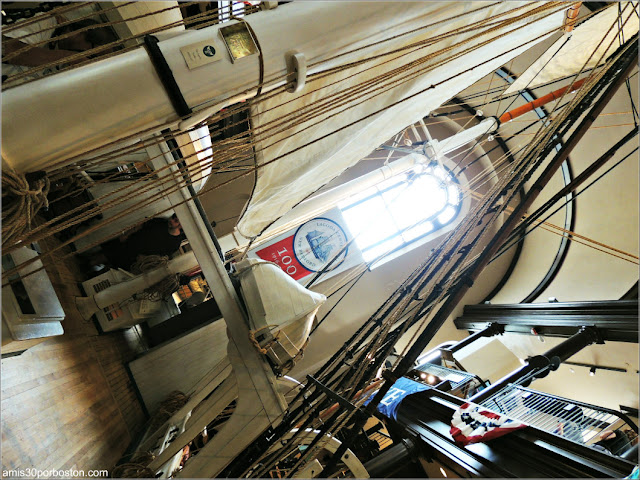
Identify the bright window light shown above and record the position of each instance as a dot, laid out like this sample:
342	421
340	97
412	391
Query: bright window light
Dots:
401	210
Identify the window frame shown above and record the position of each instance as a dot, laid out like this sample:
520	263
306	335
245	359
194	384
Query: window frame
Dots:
439	228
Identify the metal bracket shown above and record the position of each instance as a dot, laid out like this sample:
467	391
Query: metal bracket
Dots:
296	71
166	76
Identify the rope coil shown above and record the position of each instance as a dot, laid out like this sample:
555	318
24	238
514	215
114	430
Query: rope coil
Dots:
162	289
21	202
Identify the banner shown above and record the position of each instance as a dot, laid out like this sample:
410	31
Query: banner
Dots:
389	404
312	246
473	423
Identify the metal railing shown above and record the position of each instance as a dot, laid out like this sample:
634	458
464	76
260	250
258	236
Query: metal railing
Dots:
463	384
576	421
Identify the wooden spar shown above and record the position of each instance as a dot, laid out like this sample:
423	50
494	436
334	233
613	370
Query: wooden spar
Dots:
571	18
539	102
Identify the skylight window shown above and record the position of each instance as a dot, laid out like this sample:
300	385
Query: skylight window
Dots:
402	210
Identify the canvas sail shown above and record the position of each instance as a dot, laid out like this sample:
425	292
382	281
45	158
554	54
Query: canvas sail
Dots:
315	148
589	45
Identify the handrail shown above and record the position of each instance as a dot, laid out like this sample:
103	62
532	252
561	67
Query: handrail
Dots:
610	411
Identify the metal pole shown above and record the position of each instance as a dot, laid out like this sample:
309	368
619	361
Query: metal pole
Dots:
540	363
490	331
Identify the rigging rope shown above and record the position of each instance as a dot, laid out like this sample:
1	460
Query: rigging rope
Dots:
21	202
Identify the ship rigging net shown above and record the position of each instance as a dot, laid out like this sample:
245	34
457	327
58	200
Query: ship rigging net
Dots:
283	130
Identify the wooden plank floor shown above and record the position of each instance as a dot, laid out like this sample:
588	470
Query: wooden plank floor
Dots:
68	402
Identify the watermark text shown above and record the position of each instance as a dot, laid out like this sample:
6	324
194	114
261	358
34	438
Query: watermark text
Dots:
53	473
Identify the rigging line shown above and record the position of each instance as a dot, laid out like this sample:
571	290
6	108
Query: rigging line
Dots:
374	113
387	107
358	425
617	125
424	27
50	14
578	73
473	96
534	77
601	115
631	101
79	56
508	69
477	142
42	43
594	128
627	82
507	247
552	228
592	244
412	63
102	205
355	281
532	124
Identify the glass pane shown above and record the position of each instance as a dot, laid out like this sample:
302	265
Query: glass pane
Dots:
422	199
453	193
370	222
357	197
375	252
447	215
399	179
417	231
441	173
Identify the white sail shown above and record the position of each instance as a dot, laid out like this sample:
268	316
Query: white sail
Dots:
281	184
584	48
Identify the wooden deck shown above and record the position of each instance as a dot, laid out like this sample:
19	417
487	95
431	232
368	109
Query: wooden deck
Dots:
68	403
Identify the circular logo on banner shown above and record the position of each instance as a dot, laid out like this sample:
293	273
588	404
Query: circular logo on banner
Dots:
209	51
317	242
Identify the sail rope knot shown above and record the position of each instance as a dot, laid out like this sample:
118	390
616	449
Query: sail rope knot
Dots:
22	198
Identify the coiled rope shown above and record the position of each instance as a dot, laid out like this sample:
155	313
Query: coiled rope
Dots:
21	201
162	289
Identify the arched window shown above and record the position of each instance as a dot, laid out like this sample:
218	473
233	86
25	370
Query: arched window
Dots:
402	210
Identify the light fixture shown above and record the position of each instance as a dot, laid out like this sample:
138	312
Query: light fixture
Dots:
423	376
443	472
431	379
592	371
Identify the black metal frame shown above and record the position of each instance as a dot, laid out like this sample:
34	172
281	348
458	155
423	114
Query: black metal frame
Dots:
616	320
527	453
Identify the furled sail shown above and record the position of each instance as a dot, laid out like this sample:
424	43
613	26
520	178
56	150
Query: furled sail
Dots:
589	45
378	89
